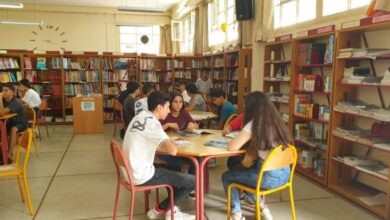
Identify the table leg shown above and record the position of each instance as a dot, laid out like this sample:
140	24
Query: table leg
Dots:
4	142
198	186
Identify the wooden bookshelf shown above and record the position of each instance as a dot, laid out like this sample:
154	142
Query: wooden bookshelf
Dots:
343	179
310	98
277	73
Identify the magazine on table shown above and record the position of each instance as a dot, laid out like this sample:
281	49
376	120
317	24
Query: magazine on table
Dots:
194	132
219	143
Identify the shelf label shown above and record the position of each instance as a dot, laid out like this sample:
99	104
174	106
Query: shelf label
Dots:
284	38
88	106
301	34
350	24
322	30
374	20
271	40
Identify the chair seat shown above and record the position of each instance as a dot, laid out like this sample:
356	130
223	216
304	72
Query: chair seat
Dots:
10	169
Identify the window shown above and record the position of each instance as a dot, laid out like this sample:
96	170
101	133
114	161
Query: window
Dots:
222	11
130	39
289	12
329	6
188	30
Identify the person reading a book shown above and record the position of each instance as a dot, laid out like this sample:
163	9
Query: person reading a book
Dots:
18	123
197	102
227	108
143	135
29	95
204	83
142	103
178	119
264	129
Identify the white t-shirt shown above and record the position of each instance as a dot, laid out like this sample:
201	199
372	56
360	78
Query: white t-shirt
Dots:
186	97
248	128
204	86
141	104
143	135
32	98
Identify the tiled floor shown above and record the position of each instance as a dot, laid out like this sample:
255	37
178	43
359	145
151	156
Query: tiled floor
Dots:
74	178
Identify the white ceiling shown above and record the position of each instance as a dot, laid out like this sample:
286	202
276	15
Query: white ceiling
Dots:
160	4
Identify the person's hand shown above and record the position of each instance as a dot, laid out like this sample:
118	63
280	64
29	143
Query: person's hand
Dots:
226	130
174	126
191	126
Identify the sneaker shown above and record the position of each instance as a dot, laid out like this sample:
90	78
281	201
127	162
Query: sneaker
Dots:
237	216
178	215
266	214
191	196
155	214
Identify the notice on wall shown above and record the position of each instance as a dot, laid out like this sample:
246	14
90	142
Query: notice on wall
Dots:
87	106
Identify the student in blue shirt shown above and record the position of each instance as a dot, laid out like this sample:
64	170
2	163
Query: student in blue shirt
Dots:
227	108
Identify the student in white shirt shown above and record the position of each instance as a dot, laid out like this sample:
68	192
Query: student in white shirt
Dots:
204	83
182	89
29	95
142	103
264	129
144	134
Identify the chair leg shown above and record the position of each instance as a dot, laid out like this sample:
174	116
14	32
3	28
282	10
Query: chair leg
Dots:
39	133
292	203
20	188
131	206
27	190
35	145
47	130
229	197
118	188
146	195
170	191
257	206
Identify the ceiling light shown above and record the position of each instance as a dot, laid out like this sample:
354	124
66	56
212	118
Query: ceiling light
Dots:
24	22
140	9
11	5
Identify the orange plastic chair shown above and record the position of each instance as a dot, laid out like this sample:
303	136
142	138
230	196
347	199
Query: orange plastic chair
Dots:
276	159
229	119
125	179
19	168
43	108
32	119
118	114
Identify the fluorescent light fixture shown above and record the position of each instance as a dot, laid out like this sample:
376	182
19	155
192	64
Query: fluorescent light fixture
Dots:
24	22
11	5
140	9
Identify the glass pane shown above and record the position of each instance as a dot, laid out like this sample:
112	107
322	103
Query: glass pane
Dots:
359	3
127	38
156	29
329	7
307	10
230	15
277	17
230	3
221	19
145	30
127	29
289	13
128	48
221	5
232	33
276	2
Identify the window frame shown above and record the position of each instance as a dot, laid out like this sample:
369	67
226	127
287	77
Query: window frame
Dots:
138	34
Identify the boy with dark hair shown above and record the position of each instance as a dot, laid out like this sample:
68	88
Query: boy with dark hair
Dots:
124	93
197	102
129	105
227	108
182	89
204	83
142	103
18	123
29	95
144	134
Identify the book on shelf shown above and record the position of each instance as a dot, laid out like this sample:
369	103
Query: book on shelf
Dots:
306	158
311	53
301	130
9	63
75	65
329	52
303	105
375	168
375	200
279	97
194	132
28	63
363	52
313	83
41	63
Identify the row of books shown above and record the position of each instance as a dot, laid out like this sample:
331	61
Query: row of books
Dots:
304	107
146	64
48	89
232	59
312	160
115	76
37	77
183	75
313	83
149	77
219	62
369	166
82	76
91	63
308	131
218	74
277	78
75	89
279	97
363	52
9	63
316	53
110	89
363	109
11	76
231	74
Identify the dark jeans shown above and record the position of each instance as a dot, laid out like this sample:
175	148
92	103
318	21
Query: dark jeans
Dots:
177	162
183	184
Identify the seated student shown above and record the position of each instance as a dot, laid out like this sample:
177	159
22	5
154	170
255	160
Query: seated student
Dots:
18	123
197	102
129	105
142	103
264	129
124	94
29	95
204	83
234	125
227	108
144	134
178	119
182	89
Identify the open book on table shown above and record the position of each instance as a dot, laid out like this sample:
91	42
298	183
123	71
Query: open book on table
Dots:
194	132
220	143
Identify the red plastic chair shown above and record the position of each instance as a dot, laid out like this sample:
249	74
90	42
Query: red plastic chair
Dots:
125	179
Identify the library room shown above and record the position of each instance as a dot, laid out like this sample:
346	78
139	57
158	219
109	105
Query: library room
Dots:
194	109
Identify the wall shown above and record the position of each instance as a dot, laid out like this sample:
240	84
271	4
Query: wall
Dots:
85	29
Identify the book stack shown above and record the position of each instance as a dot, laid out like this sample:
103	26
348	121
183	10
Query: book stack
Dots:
301	131
279	97
312	83
107	64
110	89
179	63
303	105
55	63
351	134
92	63
8	63
66	63
149	77
183	74
363	52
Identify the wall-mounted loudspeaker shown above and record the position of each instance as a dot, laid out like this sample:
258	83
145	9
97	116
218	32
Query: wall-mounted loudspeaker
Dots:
244	10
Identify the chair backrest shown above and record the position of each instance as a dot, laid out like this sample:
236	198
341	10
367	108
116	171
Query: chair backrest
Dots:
277	159
25	141
229	119
121	165
117	109
43	106
31	116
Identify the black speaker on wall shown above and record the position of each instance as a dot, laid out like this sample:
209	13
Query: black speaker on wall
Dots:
244	10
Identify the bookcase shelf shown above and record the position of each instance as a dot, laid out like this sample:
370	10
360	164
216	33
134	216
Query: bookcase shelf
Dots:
310	173
315	66
350	181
